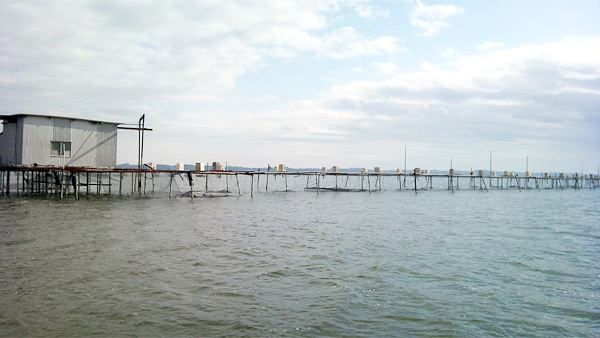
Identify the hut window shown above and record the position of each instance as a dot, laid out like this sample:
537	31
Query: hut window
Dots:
61	149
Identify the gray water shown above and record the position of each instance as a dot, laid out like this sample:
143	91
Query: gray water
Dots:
470	263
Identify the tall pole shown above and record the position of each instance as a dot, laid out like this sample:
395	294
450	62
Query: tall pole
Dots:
141	123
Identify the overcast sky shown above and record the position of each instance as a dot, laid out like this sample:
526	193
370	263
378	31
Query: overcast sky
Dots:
313	83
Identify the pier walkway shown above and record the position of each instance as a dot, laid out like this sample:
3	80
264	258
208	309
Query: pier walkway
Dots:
77	181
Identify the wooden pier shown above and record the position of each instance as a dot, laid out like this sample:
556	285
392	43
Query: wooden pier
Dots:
76	182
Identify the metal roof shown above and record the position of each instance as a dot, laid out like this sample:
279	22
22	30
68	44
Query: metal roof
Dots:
13	118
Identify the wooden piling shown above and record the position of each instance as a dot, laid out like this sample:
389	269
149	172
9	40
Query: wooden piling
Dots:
415	176
75	187
191	181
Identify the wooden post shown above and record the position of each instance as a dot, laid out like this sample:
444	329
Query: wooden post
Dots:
369	182
238	185
317	183
153	181
74	180
415	183
285	178
251	185
63	183
170	184
267	184
8	182
109	183
120	183
191	181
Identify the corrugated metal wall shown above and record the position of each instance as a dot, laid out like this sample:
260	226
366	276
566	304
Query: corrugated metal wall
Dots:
106	154
8	145
93	144
37	132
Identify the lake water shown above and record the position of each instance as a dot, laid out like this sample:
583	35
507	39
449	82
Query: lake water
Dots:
390	263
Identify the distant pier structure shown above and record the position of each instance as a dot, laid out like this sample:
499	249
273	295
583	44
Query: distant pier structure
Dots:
84	181
62	156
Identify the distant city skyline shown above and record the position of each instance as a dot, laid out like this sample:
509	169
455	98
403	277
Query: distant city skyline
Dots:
318	83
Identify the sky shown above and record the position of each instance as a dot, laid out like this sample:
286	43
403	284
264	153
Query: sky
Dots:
318	83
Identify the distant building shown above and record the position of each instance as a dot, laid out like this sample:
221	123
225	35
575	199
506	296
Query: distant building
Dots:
217	166
57	141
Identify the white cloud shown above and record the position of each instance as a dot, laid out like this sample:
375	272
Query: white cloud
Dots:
184	64
386	68
490	45
345	43
431	19
371	12
449	53
534	94
190	51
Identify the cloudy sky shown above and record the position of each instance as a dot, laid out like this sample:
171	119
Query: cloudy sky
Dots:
313	83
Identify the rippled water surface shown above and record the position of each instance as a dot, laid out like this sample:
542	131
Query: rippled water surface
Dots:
470	263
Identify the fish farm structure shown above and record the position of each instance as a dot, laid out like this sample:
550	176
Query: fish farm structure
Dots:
81	181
